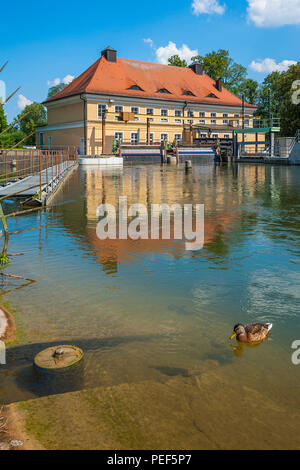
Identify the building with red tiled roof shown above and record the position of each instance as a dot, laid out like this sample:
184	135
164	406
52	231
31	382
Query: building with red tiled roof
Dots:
141	101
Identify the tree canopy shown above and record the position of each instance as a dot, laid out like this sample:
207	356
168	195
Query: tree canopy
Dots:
34	116
177	61
55	89
218	64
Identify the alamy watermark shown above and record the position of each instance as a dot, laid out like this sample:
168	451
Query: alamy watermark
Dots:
296	93
139	223
296	354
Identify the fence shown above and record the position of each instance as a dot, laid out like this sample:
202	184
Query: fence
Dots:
18	164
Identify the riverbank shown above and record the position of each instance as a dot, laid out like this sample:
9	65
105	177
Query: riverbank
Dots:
161	415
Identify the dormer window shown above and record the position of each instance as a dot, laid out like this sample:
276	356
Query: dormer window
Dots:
163	90
135	88
188	93
211	95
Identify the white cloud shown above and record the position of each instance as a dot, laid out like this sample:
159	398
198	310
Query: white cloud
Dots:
57	81
149	41
184	52
68	79
208	7
274	12
23	101
270	65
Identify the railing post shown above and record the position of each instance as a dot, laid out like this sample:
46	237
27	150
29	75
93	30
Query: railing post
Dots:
40	163
6	167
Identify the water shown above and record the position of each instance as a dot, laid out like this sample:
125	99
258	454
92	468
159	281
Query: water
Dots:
152	311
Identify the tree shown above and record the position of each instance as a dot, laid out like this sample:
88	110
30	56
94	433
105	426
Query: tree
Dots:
289	110
36	117
250	89
55	89
218	64
176	61
3	121
271	82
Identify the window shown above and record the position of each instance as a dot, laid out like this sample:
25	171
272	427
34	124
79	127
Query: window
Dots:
136	118
178	113
164	137
134	138
164	120
164	112
135	110
211	95
119	136
203	135
236	115
177	137
151	138
225	114
213	121
215	136
49	141
247	123
190	113
226	136
202	114
101	109
188	93
202	121
163	90
118	109
135	87
150	111
225	121
41	138
178	121
213	114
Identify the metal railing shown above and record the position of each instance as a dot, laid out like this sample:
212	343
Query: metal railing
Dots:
16	165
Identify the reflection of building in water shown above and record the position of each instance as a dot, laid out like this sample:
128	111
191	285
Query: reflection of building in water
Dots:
222	192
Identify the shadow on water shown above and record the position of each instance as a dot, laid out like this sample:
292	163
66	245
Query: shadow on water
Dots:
40	383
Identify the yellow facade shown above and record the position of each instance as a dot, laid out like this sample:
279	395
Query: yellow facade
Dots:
71	121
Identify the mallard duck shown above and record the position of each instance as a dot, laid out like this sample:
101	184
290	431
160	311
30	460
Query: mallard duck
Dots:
251	333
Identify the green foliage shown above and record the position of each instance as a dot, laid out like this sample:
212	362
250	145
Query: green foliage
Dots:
4	261
271	82
35	117
289	112
55	89
3	121
250	89
176	61
218	64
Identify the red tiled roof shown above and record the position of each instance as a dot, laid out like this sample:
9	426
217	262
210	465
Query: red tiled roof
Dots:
116	78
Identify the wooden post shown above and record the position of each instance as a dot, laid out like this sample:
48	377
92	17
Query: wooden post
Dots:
47	169
148	131
5	167
103	132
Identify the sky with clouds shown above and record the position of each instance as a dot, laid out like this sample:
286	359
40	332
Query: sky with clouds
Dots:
47	44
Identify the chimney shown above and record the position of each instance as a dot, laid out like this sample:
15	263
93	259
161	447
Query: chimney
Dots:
110	54
197	68
219	86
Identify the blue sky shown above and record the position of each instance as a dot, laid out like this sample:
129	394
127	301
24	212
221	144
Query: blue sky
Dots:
44	41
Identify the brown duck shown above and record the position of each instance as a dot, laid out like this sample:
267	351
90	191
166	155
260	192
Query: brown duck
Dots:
251	333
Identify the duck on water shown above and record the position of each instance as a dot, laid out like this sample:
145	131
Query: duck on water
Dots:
251	333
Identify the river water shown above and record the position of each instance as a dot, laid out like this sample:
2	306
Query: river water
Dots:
150	310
